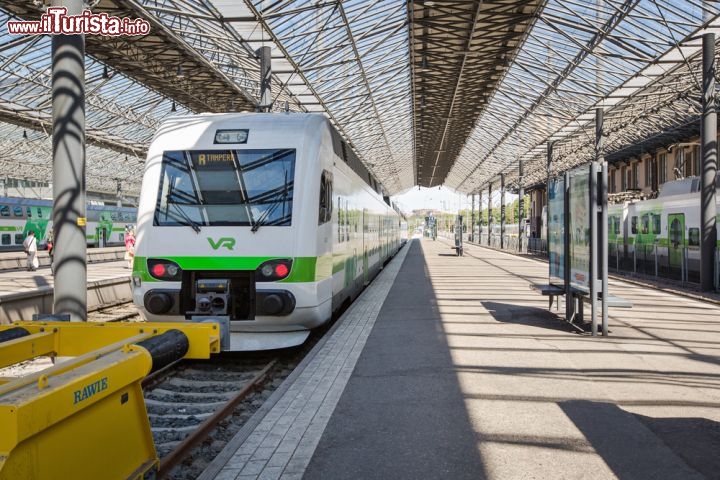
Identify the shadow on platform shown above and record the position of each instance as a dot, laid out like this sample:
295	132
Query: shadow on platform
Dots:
525	315
635	446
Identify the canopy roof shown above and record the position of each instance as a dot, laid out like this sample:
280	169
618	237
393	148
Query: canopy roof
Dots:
426	92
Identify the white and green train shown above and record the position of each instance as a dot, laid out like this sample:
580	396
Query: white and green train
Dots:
268	219
664	230
18	216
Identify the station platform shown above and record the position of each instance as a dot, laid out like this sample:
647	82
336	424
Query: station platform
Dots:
451	367
18	260
24	293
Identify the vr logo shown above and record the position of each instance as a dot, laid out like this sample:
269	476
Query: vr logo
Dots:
226	242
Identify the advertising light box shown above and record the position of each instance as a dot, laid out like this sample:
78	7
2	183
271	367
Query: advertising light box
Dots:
579	226
556	231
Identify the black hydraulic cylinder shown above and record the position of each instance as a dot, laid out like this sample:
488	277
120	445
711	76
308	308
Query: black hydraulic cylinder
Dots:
708	235
166	348
12	334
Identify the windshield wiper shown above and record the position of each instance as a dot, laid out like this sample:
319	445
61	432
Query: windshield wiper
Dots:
188	221
282	194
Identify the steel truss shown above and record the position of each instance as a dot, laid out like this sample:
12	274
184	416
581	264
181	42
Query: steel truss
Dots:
427	92
637	59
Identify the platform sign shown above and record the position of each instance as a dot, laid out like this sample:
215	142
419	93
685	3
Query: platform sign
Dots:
556	230
579	227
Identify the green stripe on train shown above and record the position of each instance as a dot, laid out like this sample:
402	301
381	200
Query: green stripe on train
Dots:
303	268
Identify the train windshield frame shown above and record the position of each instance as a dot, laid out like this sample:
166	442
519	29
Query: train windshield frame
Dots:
248	187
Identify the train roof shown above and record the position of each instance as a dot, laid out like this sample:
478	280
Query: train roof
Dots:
260	119
290	121
43	202
684	186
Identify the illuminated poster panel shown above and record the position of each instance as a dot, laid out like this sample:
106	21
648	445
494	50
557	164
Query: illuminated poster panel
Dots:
579	224
556	230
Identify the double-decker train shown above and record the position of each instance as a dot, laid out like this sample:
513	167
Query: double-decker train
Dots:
18	216
268	219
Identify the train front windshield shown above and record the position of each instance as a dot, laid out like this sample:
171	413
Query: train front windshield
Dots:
226	188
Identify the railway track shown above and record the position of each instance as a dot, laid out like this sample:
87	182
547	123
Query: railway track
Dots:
195	408
187	401
115	312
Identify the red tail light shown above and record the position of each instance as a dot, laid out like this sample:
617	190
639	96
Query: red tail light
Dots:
273	270
164	269
281	270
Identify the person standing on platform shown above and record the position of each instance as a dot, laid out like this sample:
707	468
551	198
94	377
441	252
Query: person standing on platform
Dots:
129	246
30	246
50	246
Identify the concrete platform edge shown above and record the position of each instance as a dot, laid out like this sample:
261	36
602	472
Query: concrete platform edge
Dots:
215	467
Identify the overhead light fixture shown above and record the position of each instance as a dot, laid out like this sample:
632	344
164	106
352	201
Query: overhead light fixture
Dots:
105	72
180	72
173	109
25	137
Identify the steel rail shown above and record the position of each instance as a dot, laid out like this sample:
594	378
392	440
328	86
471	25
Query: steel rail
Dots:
181	451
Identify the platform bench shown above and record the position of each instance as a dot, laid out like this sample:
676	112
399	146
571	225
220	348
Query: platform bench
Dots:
548	290
612	301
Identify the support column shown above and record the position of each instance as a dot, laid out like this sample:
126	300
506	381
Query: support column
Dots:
69	220
708	235
547	197
265	91
472	218
490	219
521	207
502	211
599	227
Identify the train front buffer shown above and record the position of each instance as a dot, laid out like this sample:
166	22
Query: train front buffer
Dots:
85	417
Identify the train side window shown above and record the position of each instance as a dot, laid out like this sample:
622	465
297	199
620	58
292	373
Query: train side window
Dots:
39	212
614	224
6	239
325	197
18	211
646	223
656	224
694	237
19	239
29	212
633	225
4	211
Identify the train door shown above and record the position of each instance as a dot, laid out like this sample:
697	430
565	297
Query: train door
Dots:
676	238
101	235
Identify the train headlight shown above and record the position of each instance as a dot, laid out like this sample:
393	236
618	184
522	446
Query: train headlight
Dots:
273	270
164	269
